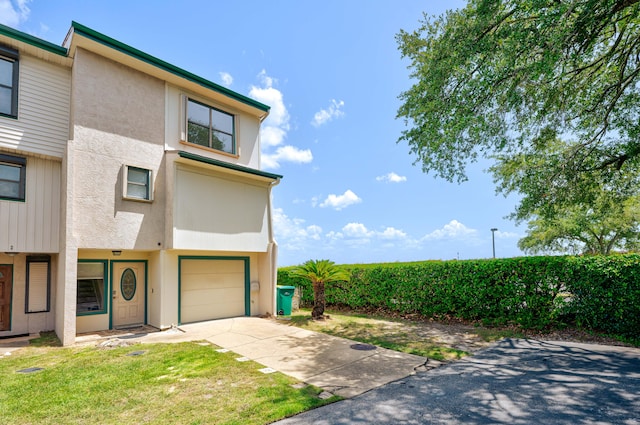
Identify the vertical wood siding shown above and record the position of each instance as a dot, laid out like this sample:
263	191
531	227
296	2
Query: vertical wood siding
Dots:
33	225
43	111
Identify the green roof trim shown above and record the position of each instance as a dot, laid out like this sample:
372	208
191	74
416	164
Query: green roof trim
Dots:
138	54
34	41
228	165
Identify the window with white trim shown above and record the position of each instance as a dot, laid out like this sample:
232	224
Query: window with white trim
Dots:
90	298
137	183
210	127
12	177
8	82
38	284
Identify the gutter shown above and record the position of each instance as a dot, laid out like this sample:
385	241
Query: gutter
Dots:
33	41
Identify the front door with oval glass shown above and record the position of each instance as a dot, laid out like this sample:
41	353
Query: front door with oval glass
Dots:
128	294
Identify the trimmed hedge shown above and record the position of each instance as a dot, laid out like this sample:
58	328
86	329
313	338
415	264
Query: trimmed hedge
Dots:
598	293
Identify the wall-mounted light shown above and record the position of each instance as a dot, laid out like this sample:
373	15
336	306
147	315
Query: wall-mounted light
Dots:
116	252
11	254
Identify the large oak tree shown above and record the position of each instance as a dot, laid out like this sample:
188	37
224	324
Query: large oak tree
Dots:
505	79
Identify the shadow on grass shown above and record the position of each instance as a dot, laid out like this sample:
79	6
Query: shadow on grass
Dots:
398	339
46	339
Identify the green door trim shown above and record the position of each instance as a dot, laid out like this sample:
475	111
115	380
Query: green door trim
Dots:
111	284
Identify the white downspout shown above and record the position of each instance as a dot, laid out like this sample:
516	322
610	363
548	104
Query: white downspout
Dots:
272	250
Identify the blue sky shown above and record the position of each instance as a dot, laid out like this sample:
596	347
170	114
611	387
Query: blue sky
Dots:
332	73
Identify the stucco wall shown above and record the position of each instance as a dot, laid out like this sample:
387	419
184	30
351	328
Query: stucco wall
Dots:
118	119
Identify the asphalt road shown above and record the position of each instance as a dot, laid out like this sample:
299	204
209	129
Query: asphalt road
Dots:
513	382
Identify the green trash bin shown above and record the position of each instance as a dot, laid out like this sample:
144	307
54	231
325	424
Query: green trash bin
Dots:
285	296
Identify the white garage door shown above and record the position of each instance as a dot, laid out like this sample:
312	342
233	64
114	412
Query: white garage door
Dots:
211	289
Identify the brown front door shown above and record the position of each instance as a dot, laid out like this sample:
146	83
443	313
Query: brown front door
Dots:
5	298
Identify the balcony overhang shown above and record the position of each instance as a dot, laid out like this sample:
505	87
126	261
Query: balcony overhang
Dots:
228	168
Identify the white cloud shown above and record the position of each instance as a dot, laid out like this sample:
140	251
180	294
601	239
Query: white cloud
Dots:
339	202
334	235
271	96
272	136
391	178
325	115
357	235
266	80
293	233
226	78
506	235
357	230
453	229
275	127
13	13
392	233
286	154
297	239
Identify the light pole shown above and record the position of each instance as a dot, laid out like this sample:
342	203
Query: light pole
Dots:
493	240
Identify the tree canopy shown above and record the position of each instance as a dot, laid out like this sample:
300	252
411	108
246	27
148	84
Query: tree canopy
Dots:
536	174
605	226
598	215
505	79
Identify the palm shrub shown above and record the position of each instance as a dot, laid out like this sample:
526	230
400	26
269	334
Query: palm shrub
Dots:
319	273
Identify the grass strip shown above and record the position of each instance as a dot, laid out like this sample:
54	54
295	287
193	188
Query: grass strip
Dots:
185	383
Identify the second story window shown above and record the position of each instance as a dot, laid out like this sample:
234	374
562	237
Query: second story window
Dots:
12	177
210	127
8	82
137	183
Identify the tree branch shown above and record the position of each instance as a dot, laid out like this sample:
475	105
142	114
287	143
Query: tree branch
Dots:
496	24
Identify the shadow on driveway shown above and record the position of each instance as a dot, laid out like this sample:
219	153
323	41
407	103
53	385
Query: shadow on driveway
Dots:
513	382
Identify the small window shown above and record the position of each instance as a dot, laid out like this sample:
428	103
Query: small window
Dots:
137	183
91	287
210	127
38	284
12	177
8	82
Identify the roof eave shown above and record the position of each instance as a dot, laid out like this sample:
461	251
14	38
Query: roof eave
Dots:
34	46
230	166
78	30
32	41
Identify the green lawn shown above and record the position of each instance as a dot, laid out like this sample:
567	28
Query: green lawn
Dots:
186	383
399	335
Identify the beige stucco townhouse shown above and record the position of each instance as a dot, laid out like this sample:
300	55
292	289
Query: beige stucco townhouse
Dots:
130	191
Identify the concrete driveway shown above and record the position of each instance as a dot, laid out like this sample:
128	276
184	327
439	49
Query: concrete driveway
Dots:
512	382
337	365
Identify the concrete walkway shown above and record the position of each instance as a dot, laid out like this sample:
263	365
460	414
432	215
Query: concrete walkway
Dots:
337	365
9	345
